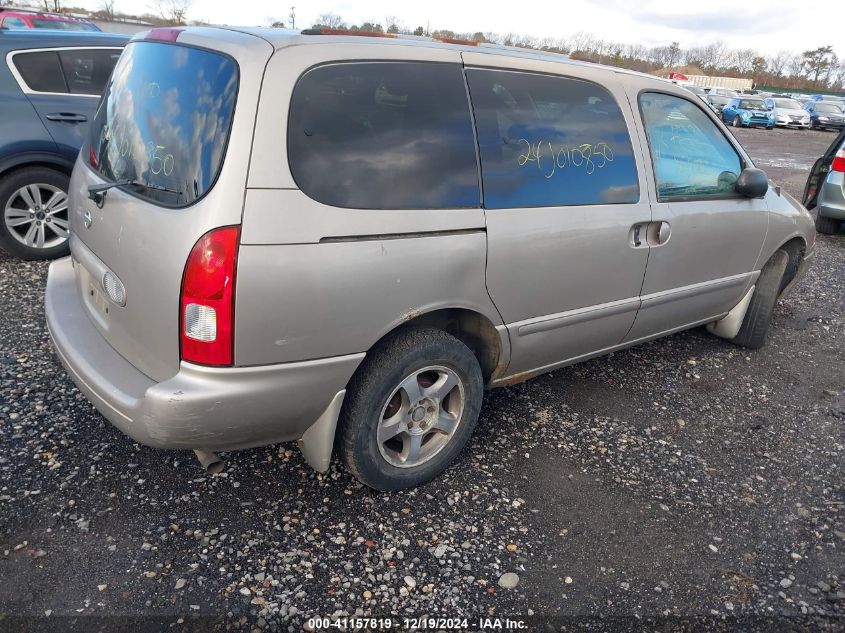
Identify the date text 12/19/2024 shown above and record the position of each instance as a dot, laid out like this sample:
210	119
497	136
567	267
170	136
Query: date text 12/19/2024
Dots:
415	624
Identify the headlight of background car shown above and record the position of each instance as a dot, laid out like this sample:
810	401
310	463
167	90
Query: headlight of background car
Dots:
745	115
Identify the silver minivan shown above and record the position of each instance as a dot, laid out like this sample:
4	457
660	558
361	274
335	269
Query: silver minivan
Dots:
343	240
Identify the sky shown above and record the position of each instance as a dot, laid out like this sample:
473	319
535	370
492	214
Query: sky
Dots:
768	26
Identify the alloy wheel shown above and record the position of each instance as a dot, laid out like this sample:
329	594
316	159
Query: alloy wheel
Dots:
36	215
420	416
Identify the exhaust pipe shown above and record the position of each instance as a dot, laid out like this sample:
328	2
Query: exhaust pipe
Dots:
212	464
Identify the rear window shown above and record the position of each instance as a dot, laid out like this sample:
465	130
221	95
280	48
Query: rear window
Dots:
41	71
75	70
164	121
751	104
63	25
385	135
86	70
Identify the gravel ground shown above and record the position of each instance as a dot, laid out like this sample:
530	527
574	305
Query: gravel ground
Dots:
687	484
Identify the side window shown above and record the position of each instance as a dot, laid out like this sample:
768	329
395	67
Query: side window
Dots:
88	70
691	156
14	23
550	141
41	71
384	135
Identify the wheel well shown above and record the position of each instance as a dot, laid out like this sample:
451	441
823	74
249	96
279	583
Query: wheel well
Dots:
795	248
46	164
473	329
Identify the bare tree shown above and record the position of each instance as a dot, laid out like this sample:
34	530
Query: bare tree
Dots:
330	21
582	41
107	9
777	64
795	66
53	5
172	11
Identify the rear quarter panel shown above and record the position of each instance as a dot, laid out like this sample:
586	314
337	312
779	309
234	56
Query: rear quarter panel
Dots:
317	281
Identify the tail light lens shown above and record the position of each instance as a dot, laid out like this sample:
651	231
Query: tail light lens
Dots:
838	163
207	304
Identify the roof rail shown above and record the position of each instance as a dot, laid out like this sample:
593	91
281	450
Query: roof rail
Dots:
424	38
322	31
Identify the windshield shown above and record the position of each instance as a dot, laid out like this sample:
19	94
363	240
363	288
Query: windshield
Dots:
718	99
828	108
63	25
787	104
751	104
164	120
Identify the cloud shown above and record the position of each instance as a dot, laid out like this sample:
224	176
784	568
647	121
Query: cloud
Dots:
718	22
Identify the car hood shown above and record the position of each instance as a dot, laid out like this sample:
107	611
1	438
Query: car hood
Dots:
792	111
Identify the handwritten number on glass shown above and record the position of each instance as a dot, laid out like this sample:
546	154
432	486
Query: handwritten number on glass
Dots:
550	158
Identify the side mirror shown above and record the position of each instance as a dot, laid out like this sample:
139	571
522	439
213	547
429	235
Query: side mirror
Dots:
752	183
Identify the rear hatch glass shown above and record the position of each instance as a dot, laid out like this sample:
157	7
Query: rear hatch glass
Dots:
164	121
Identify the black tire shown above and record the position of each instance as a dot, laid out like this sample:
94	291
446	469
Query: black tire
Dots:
755	325
737	122
828	226
10	184
387	365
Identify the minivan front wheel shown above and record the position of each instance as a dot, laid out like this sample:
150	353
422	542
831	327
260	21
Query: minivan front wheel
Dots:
758	316
35	222
410	409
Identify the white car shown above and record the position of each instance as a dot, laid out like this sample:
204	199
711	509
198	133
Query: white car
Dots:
788	113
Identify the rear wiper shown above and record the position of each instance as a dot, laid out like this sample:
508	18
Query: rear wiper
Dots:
97	193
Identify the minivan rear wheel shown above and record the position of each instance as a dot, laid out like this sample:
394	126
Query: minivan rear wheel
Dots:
35	222
755	325
410	409
828	226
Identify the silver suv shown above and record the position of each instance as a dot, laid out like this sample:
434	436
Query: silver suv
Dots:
343	240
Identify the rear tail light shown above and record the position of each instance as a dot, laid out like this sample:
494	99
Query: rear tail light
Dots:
838	163
207	304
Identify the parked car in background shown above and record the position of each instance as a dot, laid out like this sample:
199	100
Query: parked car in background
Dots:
696	90
50	83
422	271
825	188
825	115
16	18
748	111
717	102
788	112
730	93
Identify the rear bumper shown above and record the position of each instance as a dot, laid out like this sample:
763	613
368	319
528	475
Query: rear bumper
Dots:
831	199
200	407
